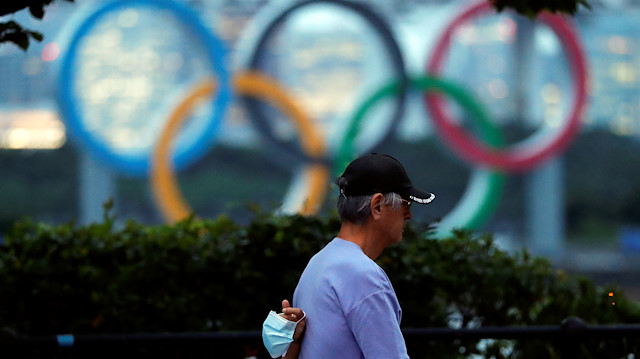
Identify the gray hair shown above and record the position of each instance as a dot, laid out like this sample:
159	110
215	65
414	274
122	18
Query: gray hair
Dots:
357	209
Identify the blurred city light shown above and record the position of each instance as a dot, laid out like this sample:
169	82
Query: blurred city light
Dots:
31	129
50	52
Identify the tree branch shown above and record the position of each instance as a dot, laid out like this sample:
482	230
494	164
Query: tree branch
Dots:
9	7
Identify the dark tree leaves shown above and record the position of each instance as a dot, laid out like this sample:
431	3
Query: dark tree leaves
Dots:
11	31
531	8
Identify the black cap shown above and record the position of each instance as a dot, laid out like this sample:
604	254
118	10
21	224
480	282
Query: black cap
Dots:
379	173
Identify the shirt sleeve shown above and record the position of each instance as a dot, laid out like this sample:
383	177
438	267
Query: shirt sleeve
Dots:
375	324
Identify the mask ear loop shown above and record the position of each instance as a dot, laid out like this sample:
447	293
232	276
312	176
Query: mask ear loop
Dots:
304	315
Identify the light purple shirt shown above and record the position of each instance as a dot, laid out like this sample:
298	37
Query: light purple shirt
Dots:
352	310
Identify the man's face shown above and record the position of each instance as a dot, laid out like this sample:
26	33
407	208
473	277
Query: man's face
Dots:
393	221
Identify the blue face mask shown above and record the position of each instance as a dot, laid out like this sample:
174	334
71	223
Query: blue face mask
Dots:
277	333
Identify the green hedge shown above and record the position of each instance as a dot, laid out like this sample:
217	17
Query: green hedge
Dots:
217	275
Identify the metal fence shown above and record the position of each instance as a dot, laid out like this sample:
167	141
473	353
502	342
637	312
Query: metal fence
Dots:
570	328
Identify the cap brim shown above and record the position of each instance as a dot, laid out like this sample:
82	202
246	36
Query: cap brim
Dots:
420	196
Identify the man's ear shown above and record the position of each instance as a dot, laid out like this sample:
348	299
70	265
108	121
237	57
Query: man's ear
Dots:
376	206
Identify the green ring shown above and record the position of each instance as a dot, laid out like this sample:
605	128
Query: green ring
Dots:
482	195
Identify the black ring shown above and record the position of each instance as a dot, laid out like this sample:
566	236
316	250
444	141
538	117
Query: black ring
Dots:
253	106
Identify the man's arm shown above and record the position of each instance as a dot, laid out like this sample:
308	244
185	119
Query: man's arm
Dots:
294	350
294	314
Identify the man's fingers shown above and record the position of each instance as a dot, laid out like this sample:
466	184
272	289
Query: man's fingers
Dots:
293	312
286	307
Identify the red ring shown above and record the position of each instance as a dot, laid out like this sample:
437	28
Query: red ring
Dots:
521	156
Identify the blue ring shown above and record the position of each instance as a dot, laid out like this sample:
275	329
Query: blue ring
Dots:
216	53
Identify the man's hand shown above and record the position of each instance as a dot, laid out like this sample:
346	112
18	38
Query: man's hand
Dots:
294	314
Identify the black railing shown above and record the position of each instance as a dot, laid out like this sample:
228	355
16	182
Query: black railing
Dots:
84	340
570	328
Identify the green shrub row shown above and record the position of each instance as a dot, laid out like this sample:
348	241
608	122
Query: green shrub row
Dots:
217	275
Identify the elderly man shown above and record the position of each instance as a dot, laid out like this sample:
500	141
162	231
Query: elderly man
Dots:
350	305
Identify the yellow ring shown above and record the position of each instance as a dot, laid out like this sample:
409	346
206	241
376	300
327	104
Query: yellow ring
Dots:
165	188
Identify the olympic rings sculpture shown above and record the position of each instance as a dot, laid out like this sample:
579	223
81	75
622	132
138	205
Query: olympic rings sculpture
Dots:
485	187
491	160
267	21
71	113
537	148
164	183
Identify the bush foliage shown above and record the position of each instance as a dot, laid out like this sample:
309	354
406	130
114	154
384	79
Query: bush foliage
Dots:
217	275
